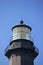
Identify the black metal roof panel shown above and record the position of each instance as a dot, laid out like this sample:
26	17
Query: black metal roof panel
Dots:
21	25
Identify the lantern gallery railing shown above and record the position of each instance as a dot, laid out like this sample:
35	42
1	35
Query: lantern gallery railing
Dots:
34	48
7	48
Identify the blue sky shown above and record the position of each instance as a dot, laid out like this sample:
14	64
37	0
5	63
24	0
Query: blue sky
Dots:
11	12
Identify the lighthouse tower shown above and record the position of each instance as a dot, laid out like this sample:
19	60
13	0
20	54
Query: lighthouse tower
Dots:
21	50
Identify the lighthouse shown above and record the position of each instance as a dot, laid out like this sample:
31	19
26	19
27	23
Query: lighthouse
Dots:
21	50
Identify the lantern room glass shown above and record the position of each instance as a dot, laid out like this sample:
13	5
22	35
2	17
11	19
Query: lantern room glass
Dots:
21	33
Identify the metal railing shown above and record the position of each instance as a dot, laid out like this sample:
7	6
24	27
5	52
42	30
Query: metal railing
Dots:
7	48
36	49
31	39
